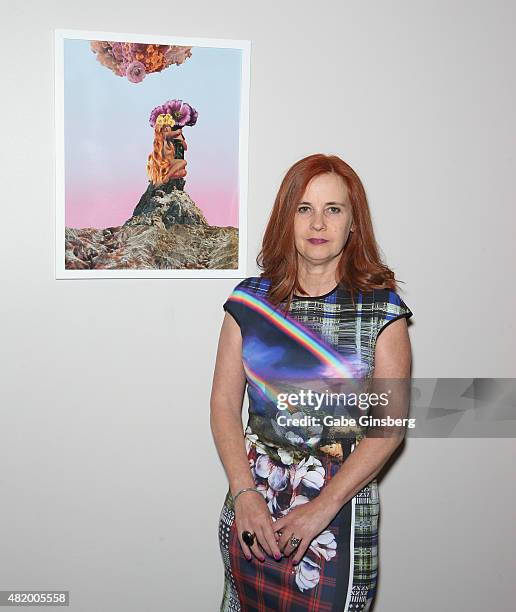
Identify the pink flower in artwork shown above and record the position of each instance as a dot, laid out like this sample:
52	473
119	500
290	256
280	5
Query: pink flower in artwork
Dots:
135	72
182	113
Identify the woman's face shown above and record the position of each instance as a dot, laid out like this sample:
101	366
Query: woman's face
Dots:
323	219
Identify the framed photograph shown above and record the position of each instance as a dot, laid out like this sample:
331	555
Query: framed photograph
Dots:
151	155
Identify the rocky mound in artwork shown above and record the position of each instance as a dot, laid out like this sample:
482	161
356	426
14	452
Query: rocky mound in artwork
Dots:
166	231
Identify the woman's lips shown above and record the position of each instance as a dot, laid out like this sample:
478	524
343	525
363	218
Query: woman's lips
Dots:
317	240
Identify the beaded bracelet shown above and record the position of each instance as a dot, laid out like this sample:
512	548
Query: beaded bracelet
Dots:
243	491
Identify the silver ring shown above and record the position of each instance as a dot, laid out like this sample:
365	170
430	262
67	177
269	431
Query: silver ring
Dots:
294	542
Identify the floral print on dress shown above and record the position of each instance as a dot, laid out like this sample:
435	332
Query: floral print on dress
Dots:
285	485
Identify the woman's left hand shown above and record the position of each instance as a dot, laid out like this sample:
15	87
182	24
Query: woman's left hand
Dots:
305	522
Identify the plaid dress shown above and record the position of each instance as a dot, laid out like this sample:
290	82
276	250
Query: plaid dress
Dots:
319	338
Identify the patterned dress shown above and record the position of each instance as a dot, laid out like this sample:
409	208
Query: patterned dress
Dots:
319	337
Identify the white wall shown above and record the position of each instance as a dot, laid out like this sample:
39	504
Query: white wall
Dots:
109	486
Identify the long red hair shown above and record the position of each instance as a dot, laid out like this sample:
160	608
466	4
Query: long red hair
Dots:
360	266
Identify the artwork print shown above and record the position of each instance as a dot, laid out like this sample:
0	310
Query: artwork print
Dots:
151	155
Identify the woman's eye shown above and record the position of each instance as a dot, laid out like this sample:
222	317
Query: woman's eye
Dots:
332	209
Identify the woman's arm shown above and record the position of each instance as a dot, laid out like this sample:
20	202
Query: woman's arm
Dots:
251	510
392	361
226	406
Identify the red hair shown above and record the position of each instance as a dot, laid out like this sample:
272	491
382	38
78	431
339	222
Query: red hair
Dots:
360	266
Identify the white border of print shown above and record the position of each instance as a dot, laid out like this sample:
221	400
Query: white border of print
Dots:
59	255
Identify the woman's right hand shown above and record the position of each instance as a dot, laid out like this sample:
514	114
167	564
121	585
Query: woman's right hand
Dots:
252	514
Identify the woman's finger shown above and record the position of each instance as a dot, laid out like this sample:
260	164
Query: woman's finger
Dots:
278	525
285	544
245	548
256	550
300	552
262	538
255	547
270	538
291	550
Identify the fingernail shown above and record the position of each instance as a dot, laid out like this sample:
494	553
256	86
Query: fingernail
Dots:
248	558
277	557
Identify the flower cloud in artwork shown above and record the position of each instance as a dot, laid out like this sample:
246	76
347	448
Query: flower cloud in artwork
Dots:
135	60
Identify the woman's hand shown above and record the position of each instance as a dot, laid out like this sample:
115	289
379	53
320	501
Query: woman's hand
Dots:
252	514
305	522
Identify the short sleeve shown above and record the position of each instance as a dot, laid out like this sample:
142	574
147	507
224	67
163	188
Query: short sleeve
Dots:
234	307
230	307
390	307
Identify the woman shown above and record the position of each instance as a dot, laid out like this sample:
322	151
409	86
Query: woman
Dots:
162	164
298	528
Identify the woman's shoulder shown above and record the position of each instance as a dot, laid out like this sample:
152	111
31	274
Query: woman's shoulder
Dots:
389	303
382	302
236	302
258	285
